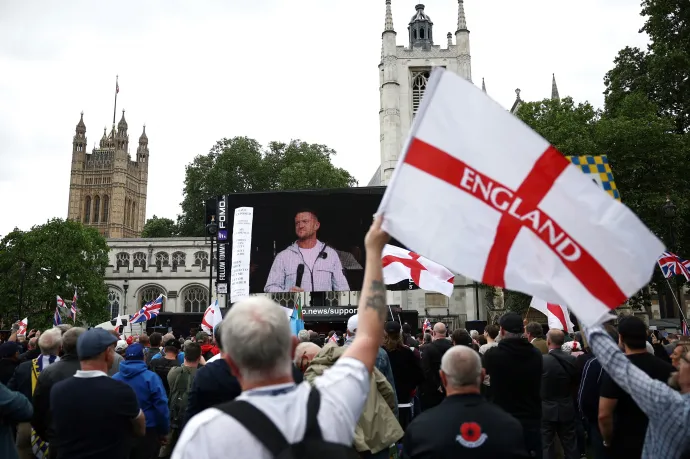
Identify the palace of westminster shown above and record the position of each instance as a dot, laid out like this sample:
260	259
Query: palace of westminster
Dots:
108	189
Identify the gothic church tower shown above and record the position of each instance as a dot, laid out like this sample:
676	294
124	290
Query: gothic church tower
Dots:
108	189
404	72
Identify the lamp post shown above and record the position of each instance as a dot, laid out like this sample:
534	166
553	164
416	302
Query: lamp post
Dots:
125	287
669	210
211	231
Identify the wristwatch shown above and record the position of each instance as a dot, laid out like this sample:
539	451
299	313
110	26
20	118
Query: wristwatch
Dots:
606	444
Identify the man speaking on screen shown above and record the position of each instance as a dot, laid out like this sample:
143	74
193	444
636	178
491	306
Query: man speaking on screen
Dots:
308	265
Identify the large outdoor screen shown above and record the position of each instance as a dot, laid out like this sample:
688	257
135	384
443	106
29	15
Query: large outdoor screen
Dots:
311	241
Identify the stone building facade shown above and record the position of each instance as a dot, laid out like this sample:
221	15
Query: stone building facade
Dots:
108	188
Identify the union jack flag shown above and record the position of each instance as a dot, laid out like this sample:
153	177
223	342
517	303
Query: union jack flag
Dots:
61	302
148	312
426	325
685	328
672	265
73	309
57	320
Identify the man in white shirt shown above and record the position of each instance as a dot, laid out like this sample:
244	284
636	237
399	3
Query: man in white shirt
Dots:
321	269
259	346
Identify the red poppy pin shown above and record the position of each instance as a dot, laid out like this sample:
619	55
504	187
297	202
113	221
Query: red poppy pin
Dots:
471	435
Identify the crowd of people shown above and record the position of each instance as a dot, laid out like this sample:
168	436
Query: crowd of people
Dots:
255	390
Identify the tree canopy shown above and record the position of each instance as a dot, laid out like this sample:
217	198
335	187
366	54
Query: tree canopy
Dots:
53	259
241	165
159	227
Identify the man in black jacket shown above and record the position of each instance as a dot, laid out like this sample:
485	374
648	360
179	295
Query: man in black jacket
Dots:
464	425
65	368
558	384
432	392
515	368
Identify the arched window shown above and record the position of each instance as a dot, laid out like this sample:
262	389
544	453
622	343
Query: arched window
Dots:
150	293
140	260
106	208
113	302
162	258
178	259
96	208
123	260
421	33
133	220
419	82
201	259
195	299
87	210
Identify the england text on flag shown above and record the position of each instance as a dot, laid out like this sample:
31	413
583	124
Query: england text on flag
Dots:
212	317
148	312
558	315
479	192
400	264
672	265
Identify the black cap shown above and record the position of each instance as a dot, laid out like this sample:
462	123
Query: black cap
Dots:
173	342
512	322
392	327
8	349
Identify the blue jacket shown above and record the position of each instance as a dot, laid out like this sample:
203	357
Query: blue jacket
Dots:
14	408
150	393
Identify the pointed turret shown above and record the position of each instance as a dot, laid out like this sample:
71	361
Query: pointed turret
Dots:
450	39
143	138
554	89
483	86
79	141
389	18
462	44
462	20
122	125
81	127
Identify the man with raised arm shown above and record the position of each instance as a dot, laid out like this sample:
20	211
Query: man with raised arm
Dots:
259	347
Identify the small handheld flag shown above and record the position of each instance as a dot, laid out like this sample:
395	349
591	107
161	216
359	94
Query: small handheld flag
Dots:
57	320
61	302
73	309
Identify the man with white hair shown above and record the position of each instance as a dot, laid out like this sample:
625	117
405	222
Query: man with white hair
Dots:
303	336
464	424
24	381
259	347
304	354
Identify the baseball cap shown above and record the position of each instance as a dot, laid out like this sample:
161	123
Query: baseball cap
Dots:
134	352
121	345
352	323
512	322
93	342
8	349
392	327
173	342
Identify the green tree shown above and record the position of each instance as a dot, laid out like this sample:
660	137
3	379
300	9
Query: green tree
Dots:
53	259
662	73
159	227
516	301
241	165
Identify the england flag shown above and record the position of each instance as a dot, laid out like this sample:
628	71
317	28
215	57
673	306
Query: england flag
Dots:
558	315
479	192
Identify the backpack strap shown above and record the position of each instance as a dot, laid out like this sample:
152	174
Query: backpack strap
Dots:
313	431
258	424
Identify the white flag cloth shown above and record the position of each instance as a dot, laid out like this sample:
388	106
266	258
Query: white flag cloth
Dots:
479	192
23	325
558	315
288	311
400	264
212	317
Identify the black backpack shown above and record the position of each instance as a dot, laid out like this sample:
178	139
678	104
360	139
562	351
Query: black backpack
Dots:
312	446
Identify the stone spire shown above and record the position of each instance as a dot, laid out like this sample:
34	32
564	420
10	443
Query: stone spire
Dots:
389	17
483	86
554	89
462	20
81	127
450	39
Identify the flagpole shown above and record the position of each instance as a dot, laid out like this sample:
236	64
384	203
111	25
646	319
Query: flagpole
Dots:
682	314
115	107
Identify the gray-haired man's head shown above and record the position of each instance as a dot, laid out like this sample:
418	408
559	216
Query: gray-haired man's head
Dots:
303	336
257	340
50	341
461	367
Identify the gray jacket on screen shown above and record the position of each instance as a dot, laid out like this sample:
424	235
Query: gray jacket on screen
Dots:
327	274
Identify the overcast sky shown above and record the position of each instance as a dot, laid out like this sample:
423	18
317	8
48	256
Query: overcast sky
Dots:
195	72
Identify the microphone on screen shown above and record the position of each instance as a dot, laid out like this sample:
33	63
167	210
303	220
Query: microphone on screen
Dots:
300	274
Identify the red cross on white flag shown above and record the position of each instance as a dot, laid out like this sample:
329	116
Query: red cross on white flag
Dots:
400	264
558	315
479	192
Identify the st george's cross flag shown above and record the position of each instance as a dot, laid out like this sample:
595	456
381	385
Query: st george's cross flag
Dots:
400	264
479	192
212	317
558	315
23	325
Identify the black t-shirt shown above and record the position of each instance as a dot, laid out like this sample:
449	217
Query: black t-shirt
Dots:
464	426
162	367
92	418
629	422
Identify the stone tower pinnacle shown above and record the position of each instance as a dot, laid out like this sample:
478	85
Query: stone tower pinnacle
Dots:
554	89
483	86
421	29
389	17
462	20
